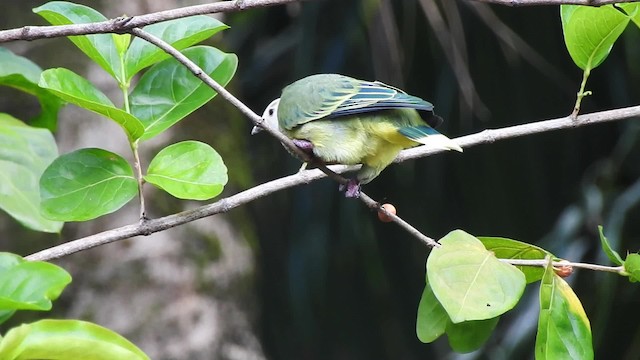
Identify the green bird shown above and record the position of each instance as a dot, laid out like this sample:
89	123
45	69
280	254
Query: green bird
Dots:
342	120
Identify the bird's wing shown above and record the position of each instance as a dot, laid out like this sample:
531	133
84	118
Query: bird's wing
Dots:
373	96
331	96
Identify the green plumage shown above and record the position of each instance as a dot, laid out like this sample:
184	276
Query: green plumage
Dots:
350	121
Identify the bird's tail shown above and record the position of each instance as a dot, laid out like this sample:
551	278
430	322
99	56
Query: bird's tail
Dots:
429	136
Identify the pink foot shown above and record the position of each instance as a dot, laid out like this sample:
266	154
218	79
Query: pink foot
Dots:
351	189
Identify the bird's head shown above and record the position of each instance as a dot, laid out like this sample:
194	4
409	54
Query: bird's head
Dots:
269	117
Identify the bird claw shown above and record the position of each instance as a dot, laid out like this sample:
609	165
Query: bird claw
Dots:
351	188
304	145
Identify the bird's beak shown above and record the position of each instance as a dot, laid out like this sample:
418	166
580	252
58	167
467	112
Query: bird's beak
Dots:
256	129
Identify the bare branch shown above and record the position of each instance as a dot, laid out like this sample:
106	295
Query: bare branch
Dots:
124	24
305	177
553	2
492	135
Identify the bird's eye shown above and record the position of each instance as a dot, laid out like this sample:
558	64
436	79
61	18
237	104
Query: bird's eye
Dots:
270	112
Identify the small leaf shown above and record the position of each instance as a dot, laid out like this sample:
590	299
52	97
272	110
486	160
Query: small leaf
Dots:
188	170
101	48
590	32
469	281
504	248
168	92
86	184
75	89
611	254
22	74
632	267
633	10
469	336
29	285
179	33
66	340
432	318
564	331
122	42
24	154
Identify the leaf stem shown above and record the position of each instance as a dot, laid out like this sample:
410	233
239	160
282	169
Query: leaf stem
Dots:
134	149
581	93
138	167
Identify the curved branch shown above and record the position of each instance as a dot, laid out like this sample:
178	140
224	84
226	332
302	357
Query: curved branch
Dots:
307	176
124	24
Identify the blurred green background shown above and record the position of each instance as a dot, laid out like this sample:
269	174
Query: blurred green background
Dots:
322	278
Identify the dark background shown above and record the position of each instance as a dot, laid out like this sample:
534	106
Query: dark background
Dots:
328	280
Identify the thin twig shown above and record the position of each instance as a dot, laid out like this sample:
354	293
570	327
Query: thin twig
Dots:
563	263
307	176
124	24
553	2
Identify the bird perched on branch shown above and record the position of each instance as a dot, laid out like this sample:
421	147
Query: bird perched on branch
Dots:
342	120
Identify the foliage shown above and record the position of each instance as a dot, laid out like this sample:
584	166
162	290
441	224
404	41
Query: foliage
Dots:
591	32
42	190
33	285
469	283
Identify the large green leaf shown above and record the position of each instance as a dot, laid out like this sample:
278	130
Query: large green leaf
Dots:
66	340
180	33
168	91
188	170
20	73
433	321
563	327
85	184
24	154
469	281
432	318
590	32
504	248
469	336
77	90
29	285
100	48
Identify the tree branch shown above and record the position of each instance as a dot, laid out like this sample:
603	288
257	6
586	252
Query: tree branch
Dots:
258	121
553	2
124	24
307	176
564	263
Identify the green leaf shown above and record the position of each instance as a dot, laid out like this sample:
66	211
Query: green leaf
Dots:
563	327
29	285
611	254
469	281
24	154
168	92
22	74
180	33
101	48
504	248
122	42
75	89
188	170
632	10
66	340
469	336
590	32
632	267
86	184
432	318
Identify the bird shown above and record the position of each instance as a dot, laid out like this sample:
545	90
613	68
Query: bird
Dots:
341	120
